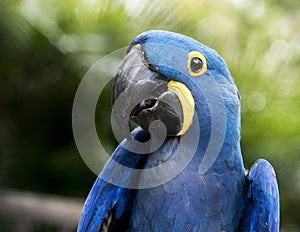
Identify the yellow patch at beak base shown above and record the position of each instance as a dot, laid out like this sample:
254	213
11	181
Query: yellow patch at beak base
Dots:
187	103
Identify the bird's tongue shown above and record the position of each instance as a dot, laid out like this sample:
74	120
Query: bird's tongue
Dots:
164	108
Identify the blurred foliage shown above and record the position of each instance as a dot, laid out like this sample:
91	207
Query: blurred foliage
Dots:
48	46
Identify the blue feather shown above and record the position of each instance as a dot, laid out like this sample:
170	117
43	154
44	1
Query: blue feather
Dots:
224	198
104	198
262	211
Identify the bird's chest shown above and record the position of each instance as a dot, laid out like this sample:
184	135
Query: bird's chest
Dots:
189	202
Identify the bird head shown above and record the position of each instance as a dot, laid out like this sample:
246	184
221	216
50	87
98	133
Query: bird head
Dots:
169	76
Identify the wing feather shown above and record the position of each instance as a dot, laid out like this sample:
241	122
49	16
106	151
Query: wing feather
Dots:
262	208
107	204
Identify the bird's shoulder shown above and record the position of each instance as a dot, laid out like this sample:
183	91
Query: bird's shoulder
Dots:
108	205
262	208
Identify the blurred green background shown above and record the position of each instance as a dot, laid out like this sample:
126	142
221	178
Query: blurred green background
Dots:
48	45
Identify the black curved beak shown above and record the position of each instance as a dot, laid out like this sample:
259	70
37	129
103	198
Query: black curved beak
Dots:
146	94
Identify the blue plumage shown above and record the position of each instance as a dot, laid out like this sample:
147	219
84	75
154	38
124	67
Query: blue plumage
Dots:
262	210
223	198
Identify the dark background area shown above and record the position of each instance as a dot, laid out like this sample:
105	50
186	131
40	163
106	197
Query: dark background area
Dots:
48	46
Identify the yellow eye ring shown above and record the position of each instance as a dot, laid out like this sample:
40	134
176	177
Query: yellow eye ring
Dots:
196	64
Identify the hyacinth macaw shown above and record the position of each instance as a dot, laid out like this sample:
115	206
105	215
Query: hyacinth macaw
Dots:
221	197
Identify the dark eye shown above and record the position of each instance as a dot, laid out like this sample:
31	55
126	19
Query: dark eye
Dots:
196	64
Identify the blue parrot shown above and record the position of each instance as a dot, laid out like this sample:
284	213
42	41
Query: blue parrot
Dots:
202	184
